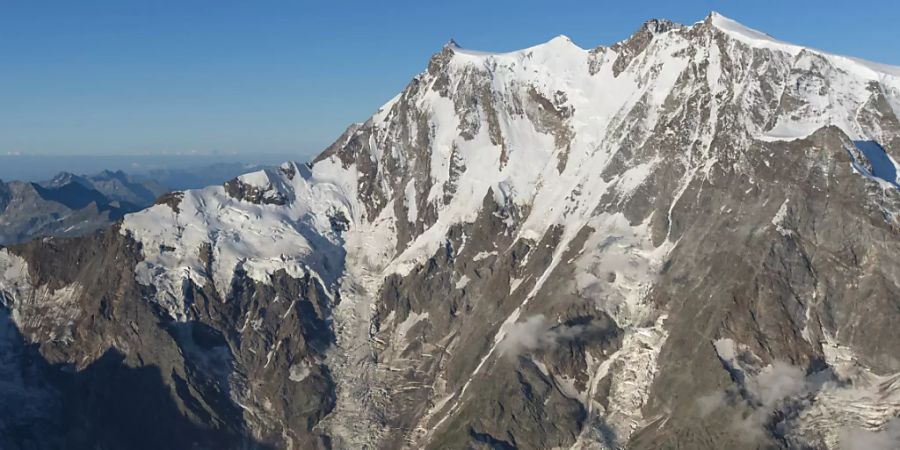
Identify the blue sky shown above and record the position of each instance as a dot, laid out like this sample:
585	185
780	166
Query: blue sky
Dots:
266	76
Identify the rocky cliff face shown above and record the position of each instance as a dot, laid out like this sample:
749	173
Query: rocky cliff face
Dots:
687	239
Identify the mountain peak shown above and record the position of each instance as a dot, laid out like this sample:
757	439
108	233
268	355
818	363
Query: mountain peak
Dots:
559	43
62	179
556	43
64	176
713	15
657	26
742	32
758	39
113	174
560	39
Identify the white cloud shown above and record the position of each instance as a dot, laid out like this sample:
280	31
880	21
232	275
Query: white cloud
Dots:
766	391
777	382
709	403
534	333
770	389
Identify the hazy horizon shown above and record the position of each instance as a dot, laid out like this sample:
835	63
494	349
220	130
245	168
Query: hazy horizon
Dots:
38	167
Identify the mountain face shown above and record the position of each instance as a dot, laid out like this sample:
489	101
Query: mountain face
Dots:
685	240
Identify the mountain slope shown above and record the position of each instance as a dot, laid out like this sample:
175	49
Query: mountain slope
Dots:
686	239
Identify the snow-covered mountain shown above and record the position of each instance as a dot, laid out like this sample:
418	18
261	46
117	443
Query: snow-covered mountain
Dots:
71	205
687	239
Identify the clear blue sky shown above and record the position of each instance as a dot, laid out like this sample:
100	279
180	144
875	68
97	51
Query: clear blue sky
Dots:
145	77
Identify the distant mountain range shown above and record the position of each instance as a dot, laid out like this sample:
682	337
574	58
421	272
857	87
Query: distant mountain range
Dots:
39	167
72	205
